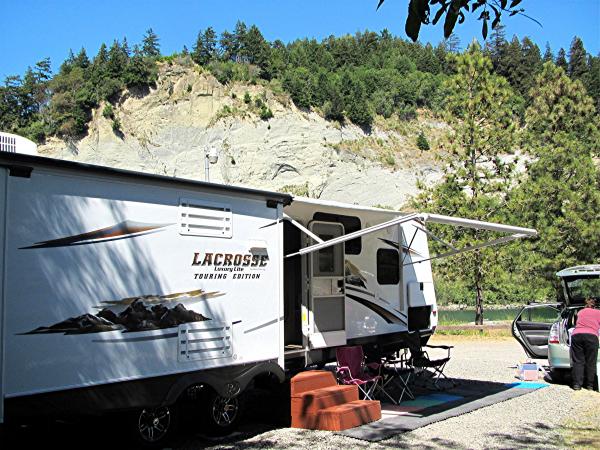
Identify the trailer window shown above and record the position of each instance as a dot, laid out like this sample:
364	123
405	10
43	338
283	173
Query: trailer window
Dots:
199	218
351	224
388	266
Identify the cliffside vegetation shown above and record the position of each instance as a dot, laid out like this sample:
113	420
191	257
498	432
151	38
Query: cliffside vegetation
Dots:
522	146
350	78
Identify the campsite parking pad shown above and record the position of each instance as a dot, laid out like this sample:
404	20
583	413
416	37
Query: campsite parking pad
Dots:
526	421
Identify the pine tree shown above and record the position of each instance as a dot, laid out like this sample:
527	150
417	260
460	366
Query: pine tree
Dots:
102	57
496	46
205	49
592	80
33	91
577	60
117	60
452	44
228	46
125	47
256	48
150	45
422	143
510	64
560	196
82	60
239	42
476	178
141	71
530	66
548	56
561	60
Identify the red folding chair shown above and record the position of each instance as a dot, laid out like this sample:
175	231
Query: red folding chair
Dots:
352	369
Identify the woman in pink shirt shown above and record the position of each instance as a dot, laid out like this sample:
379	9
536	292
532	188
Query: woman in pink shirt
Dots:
584	346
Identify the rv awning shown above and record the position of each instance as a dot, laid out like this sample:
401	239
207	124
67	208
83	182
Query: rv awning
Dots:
421	218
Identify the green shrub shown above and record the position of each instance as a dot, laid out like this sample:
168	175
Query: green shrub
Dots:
387	159
108	112
406	112
299	190
36	131
247	98
189	88
422	142
266	113
258	102
116	125
383	103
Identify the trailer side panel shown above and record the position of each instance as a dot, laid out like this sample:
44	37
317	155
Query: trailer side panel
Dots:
112	281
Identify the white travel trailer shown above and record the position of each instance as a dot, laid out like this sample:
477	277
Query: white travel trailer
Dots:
128	291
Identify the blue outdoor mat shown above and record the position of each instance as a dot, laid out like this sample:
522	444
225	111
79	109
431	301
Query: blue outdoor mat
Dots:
428	408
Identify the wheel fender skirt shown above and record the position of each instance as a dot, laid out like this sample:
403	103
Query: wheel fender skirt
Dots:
226	381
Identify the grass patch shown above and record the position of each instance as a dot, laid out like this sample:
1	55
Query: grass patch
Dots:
372	148
584	431
476	332
227	111
299	190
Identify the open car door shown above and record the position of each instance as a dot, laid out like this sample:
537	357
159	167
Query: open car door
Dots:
531	328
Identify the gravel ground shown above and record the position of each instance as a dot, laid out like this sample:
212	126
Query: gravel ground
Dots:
531	421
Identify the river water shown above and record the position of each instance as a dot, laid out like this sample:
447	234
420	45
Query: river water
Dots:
468	315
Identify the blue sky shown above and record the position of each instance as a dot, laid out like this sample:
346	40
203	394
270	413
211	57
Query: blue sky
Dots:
34	29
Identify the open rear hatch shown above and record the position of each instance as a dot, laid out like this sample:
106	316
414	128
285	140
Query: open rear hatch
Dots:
580	283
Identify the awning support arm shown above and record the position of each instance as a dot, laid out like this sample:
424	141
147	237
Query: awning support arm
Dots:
434	237
469	248
303	228
409	245
348	237
517	232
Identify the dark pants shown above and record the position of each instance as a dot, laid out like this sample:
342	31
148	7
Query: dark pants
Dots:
584	355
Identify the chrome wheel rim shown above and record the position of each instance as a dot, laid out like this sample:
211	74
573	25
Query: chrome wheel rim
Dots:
153	424
225	410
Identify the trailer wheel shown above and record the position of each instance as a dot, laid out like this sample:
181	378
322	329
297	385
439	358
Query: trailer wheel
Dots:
154	426
222	414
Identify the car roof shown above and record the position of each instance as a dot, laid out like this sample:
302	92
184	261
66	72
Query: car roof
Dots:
589	269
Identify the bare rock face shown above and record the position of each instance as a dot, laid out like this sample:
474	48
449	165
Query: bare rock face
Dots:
167	130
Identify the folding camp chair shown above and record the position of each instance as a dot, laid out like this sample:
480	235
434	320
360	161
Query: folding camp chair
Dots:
427	369
352	369
397	373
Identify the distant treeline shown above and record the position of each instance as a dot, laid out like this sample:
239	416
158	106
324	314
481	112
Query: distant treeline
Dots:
352	77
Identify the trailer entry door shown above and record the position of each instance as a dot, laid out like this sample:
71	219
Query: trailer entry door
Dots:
327	317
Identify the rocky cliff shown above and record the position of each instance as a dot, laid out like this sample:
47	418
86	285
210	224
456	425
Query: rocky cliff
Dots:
166	130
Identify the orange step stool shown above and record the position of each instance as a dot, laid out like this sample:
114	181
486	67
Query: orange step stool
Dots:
318	403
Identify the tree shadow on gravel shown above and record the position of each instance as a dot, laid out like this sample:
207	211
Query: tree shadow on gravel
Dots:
407	441
535	435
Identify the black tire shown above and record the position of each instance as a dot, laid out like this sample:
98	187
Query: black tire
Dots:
154	427
221	414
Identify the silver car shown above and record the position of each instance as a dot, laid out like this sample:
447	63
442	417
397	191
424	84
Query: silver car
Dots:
543	329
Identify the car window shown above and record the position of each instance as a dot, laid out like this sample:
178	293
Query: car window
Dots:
546	314
581	288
